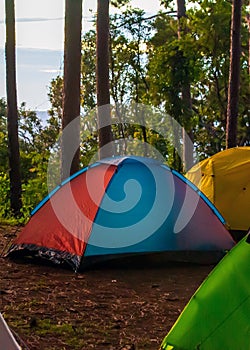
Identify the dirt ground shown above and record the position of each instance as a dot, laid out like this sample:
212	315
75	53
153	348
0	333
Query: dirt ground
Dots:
110	308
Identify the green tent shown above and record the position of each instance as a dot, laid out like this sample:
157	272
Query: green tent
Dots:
218	315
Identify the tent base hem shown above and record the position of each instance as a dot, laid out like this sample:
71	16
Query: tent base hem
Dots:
139	259
153	259
50	255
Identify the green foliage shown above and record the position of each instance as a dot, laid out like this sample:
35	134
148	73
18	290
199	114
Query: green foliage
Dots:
119	3
35	141
200	57
35	188
149	64
130	32
4	196
3	136
88	71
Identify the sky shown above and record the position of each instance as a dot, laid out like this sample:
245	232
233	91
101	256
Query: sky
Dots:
39	45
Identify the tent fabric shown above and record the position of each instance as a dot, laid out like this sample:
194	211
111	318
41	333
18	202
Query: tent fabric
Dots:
217	316
50	233
7	341
225	179
120	206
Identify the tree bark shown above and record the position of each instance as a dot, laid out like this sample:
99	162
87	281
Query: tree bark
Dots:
234	75
102	79
12	112
71	90
186	97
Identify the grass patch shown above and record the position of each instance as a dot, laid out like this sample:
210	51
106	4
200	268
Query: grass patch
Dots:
67	333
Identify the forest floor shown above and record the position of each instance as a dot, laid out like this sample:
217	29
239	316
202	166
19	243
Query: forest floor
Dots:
108	308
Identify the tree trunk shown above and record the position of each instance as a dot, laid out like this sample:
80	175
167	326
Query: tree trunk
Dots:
102	79
234	75
187	134
71	94
248	24
181	12
12	112
186	97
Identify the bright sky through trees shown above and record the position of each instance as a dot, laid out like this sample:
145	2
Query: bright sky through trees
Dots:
39	41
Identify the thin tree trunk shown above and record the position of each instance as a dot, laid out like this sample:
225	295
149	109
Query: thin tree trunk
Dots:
12	112
187	134
248	23
102	79
71	97
234	75
186	97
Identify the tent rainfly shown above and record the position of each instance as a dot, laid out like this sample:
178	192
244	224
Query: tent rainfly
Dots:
225	179
118	207
217	316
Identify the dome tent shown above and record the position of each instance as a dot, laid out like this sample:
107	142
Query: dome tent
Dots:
224	179
122	206
217	316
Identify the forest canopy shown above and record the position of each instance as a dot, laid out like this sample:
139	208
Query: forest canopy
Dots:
149	64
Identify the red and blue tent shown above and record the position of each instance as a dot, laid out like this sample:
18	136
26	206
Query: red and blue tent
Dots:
122	206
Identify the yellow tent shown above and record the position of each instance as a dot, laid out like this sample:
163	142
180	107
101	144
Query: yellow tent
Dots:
225	179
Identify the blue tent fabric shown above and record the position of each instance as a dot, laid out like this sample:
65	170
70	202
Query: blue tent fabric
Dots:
144	207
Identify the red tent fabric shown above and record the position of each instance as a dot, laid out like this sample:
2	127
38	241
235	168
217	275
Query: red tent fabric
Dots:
72	225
